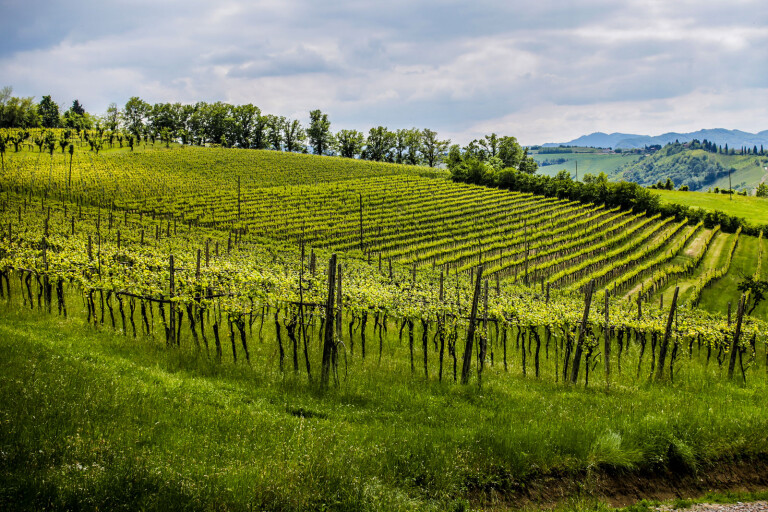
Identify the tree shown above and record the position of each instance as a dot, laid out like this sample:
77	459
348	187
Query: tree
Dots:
319	132
275	131
293	135
350	143
379	144
259	133
246	119
413	141
510	152
17	112
401	144
756	288
135	113
433	149
77	108
490	144
112	117
454	157
527	164
49	113
762	190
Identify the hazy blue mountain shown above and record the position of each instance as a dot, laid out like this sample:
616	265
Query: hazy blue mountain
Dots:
720	136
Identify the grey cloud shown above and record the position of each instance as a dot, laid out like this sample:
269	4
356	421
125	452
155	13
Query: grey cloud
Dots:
446	65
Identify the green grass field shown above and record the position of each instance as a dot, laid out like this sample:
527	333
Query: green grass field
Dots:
588	163
93	420
753	209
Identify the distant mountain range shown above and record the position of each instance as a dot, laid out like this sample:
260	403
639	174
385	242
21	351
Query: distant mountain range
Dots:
720	136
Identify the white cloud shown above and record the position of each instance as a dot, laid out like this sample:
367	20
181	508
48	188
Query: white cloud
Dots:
542	71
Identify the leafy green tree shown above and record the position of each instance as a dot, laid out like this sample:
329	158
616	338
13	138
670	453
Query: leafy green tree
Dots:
401	145
135	113
350	143
414	143
77	108
762	190
49	113
757	289
319	132
246	119
380	144
490	144
17	112
112	117
433	149
527	164
510	151
275	126
294	135
454	158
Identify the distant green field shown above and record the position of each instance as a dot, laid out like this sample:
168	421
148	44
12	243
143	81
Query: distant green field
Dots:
753	209
592	163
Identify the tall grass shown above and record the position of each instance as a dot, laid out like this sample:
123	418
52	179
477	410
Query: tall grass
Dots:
90	419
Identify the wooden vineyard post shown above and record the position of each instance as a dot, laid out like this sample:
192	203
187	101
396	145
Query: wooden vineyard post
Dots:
736	336
361	221
467	361
667	332
171	293
607	344
238	198
440	328
483	348
329	327
582	331
197	267
338	303
639	305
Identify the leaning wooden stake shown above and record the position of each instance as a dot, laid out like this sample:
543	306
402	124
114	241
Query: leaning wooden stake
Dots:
582	331
171	293
667	332
607	344
329	327
467	362
483	348
736	335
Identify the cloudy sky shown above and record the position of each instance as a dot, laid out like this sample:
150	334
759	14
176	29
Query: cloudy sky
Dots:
543	70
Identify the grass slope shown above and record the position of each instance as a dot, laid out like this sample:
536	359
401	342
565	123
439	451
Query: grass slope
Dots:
93	420
588	163
753	209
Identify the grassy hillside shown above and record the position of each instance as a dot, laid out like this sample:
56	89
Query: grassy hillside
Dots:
588	163
92	420
697	169
753	209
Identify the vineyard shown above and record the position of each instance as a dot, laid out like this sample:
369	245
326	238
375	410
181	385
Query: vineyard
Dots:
323	257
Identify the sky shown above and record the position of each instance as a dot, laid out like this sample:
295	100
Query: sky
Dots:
542	71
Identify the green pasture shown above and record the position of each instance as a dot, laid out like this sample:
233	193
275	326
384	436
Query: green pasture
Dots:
753	209
94	420
588	162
